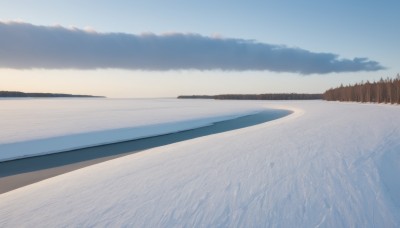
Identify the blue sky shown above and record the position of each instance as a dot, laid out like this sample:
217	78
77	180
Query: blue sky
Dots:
349	29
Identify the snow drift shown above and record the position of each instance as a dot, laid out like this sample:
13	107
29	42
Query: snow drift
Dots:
326	165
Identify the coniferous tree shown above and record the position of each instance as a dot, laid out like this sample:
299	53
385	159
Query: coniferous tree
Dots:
383	91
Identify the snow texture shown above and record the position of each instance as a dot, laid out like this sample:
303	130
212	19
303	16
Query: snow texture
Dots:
326	165
32	127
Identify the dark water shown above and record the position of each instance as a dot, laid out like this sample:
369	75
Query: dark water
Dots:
18	173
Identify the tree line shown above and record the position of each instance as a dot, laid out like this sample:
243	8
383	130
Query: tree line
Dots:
383	91
266	96
22	94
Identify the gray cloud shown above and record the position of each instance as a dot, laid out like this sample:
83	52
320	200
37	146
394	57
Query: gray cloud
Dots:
26	46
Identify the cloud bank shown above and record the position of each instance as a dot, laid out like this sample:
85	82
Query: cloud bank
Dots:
27	46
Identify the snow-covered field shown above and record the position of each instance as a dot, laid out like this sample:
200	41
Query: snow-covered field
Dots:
40	126
326	165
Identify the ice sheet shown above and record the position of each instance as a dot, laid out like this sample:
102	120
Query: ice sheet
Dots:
31	127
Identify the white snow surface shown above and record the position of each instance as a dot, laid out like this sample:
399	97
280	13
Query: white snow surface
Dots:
326	165
32	127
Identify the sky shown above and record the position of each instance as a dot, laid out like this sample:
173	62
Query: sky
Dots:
168	48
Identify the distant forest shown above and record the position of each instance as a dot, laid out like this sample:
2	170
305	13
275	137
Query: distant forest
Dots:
382	91
21	94
267	96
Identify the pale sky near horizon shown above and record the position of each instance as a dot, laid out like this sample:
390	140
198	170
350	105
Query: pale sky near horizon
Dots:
349	29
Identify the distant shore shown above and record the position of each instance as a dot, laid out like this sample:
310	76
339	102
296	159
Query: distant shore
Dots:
27	95
266	96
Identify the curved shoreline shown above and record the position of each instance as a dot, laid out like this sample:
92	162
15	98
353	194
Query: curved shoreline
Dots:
21	172
75	141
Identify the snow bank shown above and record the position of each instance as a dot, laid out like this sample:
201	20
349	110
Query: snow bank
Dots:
32	127
328	165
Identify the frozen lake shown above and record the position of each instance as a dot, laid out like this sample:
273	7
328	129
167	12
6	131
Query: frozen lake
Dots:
31	127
